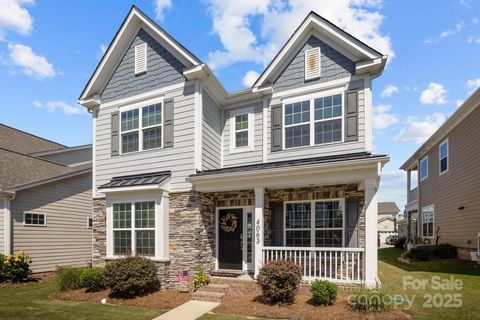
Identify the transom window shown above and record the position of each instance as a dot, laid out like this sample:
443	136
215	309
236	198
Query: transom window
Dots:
424	169
141	135
34	219
427	221
134	228
443	156
301	129
241	130
314	224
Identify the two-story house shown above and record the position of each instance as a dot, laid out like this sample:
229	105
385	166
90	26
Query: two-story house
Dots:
387	220
194	176
443	202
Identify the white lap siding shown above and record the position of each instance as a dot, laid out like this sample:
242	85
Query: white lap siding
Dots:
65	240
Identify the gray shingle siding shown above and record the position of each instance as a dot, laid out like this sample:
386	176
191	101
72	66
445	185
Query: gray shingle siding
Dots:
334	65
212	133
163	69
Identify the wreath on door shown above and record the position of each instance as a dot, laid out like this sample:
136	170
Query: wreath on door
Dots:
229	222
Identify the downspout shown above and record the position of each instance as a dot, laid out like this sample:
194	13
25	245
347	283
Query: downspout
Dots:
7	235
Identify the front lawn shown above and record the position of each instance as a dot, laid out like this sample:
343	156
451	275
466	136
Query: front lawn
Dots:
393	274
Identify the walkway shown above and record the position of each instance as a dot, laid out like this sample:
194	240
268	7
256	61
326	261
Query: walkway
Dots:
190	310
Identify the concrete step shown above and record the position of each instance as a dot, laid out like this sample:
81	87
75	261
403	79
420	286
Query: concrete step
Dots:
208	296
214	287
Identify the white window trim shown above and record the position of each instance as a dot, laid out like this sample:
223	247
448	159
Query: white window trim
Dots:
161	225
251	129
317	51
311	98
139	69
35	225
440	172
313	228
420	168
433	222
140	128
88	224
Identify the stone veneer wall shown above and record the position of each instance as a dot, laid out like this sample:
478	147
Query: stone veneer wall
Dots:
99	230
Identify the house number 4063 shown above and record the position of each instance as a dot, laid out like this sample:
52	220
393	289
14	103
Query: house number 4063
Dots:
257	231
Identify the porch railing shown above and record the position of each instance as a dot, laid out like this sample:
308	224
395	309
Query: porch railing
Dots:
342	265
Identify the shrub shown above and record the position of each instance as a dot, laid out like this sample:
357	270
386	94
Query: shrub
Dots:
279	281
201	278
68	278
92	279
323	292
400	242
445	251
365	299
420	253
15	268
131	277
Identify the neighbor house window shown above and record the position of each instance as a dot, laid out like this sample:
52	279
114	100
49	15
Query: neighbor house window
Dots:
325	126
427	221
241	127
443	156
314	224
89	222
34	219
424	169
141	128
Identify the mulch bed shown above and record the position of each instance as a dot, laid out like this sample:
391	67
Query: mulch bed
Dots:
162	300
251	304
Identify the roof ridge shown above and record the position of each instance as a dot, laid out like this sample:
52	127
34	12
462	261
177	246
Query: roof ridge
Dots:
33	135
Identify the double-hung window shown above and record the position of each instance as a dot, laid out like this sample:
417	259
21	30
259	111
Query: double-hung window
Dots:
424	168
427	221
314	224
443	156
134	228
315	121
241	129
141	128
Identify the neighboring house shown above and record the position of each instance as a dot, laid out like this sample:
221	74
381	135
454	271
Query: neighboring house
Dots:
387	219
45	200
444	206
193	176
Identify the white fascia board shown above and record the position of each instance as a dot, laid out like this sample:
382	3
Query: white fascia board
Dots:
153	187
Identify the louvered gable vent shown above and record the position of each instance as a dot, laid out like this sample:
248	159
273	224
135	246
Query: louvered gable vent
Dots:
312	63
141	58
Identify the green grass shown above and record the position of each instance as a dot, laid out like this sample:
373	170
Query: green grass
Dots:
392	272
32	301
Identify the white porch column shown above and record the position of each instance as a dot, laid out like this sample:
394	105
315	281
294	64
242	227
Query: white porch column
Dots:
259	227
371	244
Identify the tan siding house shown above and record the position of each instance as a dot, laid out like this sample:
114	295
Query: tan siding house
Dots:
448	190
45	200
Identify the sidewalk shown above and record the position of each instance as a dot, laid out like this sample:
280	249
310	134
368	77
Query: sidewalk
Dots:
190	310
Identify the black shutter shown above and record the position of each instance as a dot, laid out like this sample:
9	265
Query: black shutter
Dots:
168	124
115	134
276	139
351	223
351	116
277	223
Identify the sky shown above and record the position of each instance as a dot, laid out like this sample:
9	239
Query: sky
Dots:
49	49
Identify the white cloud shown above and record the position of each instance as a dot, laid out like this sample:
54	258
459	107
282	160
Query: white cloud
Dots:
160	7
419	130
392	187
459	102
234	22
103	48
52	106
472	85
447	33
381	118
250	78
14	16
389	91
434	94
31	63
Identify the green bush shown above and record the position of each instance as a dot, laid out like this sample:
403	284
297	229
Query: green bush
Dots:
420	253
365	299
68	278
92	279
400	242
279	281
445	251
323	292
201	278
15	268
130	277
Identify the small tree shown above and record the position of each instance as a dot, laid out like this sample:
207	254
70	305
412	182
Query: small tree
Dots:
279	281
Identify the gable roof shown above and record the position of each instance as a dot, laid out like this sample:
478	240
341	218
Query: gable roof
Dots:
387	207
134	20
24	142
470	105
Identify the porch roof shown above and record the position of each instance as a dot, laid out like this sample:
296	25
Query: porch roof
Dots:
137	180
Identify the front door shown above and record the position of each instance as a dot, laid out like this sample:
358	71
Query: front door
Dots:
230	236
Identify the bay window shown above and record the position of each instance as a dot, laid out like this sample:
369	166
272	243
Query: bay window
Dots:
315	121
314	223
